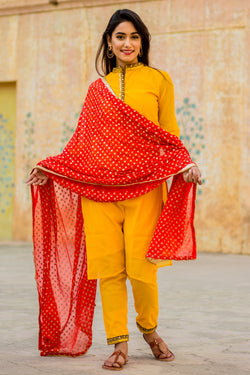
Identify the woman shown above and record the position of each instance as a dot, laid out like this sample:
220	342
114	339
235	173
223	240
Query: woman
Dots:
125	147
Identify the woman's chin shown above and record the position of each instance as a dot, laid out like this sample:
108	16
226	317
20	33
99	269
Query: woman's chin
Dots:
127	60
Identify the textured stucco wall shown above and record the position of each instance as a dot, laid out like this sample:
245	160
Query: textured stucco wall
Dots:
204	45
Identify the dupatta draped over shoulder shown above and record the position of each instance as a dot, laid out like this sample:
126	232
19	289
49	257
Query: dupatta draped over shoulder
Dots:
114	154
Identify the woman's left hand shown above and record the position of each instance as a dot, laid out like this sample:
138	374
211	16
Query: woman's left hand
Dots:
37	177
193	175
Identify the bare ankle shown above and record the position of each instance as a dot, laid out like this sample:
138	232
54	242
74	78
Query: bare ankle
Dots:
149	336
123	346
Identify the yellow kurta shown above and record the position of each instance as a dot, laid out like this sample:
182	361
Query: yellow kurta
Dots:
151	93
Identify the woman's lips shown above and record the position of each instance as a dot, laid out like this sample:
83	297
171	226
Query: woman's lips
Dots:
127	52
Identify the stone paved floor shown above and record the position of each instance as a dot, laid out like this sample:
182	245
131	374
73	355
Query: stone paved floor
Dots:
204	317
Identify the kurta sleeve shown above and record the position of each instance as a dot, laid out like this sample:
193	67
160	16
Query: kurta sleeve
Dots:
167	119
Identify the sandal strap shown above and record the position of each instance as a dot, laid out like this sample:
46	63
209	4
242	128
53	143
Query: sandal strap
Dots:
118	353
155	342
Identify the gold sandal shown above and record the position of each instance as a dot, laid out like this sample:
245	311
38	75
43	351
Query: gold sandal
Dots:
156	343
117	354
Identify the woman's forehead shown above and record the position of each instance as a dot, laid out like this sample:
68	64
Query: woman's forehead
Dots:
125	27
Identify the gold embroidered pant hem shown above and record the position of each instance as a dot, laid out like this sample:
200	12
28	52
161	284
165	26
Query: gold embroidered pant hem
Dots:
147	331
117	339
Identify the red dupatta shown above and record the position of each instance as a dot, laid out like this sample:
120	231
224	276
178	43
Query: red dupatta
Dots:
114	154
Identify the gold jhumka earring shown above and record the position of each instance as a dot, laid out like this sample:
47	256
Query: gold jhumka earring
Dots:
110	52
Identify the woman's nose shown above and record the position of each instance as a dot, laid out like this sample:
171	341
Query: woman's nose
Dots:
127	42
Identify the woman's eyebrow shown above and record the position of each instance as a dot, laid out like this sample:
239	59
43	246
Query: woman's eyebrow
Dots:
120	33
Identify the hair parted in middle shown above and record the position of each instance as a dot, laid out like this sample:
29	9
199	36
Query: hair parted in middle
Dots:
121	15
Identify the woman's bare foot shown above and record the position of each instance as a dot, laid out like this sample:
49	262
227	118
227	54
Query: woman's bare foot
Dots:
158	347
117	361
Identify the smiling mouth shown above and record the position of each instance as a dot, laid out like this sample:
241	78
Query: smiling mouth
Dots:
127	52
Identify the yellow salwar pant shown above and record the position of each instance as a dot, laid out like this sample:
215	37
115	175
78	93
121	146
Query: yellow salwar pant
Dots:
118	235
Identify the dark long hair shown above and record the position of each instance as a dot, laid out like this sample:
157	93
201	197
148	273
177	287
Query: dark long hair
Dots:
106	65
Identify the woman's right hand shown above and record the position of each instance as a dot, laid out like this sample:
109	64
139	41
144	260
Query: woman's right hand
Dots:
37	177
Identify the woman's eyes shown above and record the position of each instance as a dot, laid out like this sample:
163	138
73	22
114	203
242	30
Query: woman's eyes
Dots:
123	37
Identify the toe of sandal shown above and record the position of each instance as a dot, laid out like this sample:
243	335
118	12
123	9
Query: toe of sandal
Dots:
114	368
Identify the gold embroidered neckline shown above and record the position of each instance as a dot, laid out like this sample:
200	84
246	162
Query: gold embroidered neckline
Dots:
122	71
127	67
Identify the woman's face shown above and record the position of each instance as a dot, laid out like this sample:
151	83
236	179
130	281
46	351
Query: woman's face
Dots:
126	43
